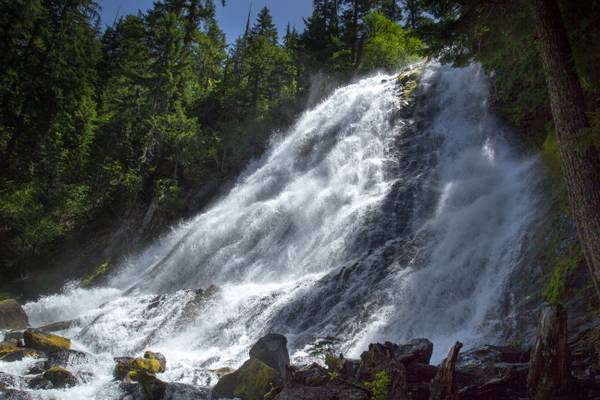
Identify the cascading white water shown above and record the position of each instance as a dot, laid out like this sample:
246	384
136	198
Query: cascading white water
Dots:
357	223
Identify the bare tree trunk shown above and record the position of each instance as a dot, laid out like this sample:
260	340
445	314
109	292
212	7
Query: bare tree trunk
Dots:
443	386
579	157
549	366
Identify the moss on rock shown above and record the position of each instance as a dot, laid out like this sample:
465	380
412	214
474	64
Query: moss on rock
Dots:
252	381
46	342
133	369
94	276
60	377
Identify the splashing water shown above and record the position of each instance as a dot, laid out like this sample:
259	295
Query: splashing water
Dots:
363	222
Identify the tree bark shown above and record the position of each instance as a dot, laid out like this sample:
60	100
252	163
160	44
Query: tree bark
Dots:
579	157
549	366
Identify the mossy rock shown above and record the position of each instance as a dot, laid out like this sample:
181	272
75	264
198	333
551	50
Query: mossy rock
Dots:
46	342
252	381
133	369
9	351
150	355
60	377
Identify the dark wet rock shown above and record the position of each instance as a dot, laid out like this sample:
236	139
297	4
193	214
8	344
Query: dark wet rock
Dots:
418	377
159	357
272	350
153	388
12	315
485	355
60	377
417	372
417	350
15	337
46	342
14	394
40	383
252	381
66	358
482	364
513	385
10	352
331	391
315	383
37	369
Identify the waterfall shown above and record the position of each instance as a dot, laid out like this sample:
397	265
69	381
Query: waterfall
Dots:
364	221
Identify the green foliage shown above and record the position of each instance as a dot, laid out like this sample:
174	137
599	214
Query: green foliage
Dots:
333	375
379	386
387	46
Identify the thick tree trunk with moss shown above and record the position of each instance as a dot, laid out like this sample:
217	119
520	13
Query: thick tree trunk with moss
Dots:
579	157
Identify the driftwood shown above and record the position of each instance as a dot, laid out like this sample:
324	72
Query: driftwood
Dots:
549	369
443	385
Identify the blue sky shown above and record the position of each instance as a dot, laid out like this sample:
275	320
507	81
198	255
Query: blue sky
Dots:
232	18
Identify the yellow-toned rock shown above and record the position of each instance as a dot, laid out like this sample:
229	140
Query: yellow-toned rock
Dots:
47	342
9	351
150	355
134	368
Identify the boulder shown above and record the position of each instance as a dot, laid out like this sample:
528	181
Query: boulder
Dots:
417	350
252	381
12	315
272	350
159	390
9	351
46	342
37	368
60	377
67	358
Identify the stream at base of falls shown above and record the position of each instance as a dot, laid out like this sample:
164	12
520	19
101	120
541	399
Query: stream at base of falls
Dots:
370	219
